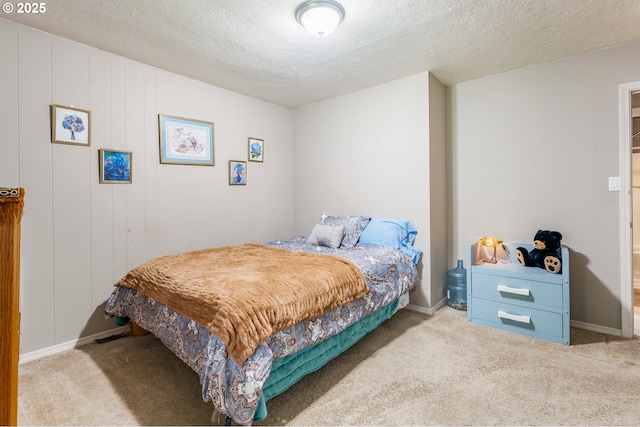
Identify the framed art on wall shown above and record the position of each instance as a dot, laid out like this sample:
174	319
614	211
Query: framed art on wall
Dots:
237	172
115	166
70	125
186	141
256	150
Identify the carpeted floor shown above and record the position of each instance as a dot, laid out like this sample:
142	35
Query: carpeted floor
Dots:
413	370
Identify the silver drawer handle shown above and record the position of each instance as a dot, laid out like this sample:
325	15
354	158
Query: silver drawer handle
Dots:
517	291
515	318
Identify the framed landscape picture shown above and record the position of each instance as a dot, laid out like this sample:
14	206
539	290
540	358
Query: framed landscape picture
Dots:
70	125
237	172
256	150
115	166
186	141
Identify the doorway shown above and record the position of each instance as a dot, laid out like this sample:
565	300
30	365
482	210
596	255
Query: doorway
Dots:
629	208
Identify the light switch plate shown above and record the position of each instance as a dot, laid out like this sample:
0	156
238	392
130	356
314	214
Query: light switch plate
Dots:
614	183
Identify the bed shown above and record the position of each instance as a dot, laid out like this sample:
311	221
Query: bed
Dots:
239	380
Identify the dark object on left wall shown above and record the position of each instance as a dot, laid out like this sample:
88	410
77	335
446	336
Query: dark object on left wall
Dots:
120	321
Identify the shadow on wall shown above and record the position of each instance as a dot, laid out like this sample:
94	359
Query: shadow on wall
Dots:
97	323
587	290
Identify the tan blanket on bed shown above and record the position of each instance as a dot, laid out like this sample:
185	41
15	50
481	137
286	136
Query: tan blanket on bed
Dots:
243	294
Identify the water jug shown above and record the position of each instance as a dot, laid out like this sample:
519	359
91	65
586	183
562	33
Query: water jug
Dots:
457	287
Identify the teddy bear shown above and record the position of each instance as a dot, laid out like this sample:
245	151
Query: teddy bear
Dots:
546	253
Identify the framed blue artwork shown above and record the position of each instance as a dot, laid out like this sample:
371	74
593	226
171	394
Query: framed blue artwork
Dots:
115	166
185	141
237	172
256	149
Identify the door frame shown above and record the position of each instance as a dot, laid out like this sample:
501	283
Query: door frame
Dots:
626	208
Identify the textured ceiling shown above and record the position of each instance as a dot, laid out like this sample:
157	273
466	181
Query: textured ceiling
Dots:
257	48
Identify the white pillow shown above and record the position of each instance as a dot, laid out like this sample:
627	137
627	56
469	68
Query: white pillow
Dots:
326	235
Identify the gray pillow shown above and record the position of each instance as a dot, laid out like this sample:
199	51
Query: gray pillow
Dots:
326	235
353	226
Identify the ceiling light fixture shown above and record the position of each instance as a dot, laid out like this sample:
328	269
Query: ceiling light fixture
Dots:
320	17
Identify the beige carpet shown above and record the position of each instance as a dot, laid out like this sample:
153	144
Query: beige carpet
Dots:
413	370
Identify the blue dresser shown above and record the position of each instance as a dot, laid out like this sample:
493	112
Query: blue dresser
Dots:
524	300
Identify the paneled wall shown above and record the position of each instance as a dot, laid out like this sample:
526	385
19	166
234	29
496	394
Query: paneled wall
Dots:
80	236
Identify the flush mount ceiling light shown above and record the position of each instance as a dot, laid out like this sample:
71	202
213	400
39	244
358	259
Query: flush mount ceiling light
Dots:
320	17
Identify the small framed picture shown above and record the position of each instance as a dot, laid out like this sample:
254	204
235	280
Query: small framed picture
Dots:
237	172
115	166
185	141
256	150
70	125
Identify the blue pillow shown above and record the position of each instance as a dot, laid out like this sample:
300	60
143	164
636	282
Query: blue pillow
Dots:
396	233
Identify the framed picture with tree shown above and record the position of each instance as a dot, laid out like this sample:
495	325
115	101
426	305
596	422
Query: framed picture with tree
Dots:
256	150
70	125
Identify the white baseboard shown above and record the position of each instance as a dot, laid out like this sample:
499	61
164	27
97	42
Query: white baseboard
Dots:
58	348
426	310
596	328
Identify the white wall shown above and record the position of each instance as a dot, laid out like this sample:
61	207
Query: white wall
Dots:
368	153
533	149
78	236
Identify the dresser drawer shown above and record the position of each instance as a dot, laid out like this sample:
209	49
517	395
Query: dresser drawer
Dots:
514	318
512	290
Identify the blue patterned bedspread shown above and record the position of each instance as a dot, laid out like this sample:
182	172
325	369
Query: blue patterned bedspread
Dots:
234	390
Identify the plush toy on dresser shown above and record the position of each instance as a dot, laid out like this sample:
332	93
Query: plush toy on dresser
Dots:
546	252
